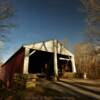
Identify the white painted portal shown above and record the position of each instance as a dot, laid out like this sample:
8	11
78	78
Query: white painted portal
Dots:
53	46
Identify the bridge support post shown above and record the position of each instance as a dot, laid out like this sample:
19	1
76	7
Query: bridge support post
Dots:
55	61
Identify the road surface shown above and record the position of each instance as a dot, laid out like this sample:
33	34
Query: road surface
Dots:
70	89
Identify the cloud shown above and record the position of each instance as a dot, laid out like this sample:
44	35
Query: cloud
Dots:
1	44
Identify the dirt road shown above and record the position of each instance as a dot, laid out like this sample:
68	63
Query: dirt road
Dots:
64	89
70	89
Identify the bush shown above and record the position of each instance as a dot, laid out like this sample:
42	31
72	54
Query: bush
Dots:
22	81
72	75
68	75
78	75
2	85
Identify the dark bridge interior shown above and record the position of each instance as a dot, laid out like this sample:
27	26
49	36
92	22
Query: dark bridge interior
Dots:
42	62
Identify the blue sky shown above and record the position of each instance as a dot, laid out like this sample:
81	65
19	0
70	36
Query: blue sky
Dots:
38	20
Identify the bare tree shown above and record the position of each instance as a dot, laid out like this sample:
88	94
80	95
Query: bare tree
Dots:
86	60
87	54
6	12
92	12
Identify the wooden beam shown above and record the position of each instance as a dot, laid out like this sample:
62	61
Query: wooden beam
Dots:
26	61
73	64
32	52
55	60
45	46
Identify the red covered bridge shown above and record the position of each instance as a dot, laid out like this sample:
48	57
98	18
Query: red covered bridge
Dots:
44	57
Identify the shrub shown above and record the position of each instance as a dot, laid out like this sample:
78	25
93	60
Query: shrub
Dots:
2	85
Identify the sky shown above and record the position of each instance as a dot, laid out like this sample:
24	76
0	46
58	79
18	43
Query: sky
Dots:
40	20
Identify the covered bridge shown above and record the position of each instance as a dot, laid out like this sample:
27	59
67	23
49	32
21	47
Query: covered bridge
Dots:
47	57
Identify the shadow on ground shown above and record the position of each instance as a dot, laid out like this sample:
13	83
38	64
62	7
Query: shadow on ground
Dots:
46	90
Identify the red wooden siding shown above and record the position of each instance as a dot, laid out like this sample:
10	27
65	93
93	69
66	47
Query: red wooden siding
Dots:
14	64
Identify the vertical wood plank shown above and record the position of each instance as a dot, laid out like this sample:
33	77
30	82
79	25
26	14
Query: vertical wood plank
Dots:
55	59
26	61
73	64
